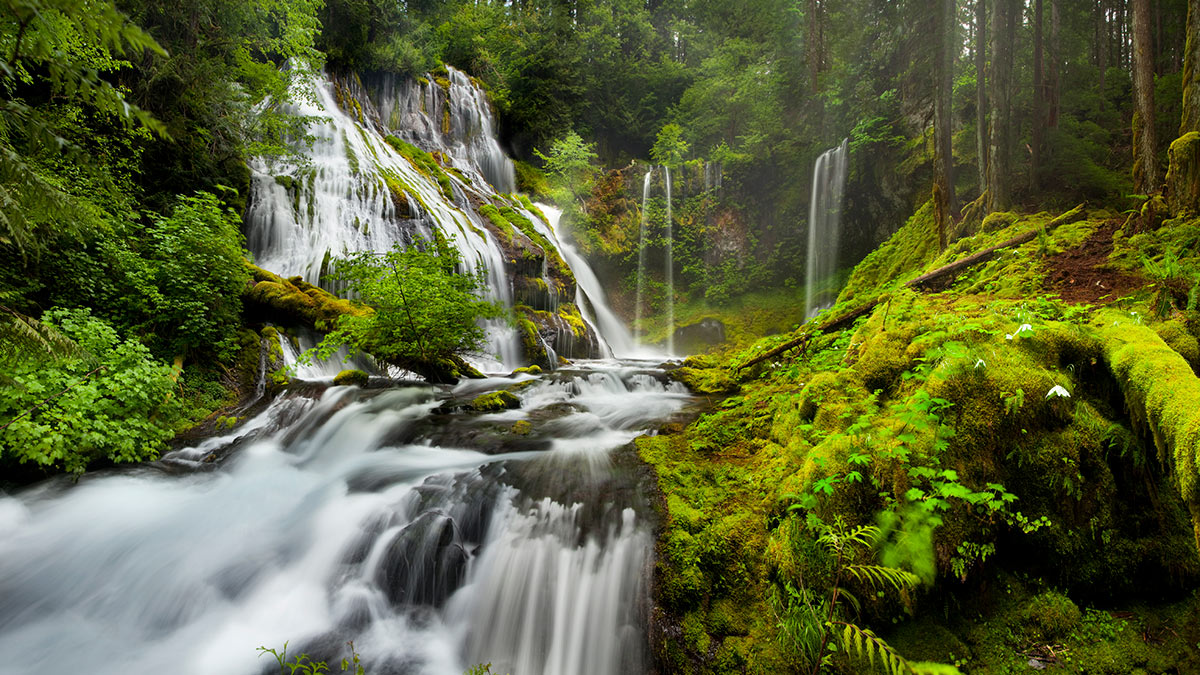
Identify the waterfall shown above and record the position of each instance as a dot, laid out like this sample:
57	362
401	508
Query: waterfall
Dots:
589	295
352	190
824	213
670	269
641	271
343	514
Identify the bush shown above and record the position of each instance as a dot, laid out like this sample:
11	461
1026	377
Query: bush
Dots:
111	402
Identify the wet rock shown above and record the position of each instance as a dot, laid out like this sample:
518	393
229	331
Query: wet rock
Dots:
699	336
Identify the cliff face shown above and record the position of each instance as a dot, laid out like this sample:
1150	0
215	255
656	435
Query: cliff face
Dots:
392	161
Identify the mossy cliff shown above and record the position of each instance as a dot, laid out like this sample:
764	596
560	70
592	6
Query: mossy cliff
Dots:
1006	438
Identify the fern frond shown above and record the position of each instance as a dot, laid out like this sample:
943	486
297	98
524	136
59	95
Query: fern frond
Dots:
879	575
862	643
25	338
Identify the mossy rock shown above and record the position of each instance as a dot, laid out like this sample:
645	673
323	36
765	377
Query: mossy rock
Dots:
522	427
495	402
998	221
705	380
1183	175
534	369
351	378
1051	615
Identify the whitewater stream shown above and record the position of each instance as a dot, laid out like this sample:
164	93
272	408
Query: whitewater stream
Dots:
432	537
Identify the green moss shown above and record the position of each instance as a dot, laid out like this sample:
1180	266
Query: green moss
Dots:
500	222
1175	334
529	370
495	402
1161	392
425	163
522	427
901	256
351	377
705	380
1183	175
1051	615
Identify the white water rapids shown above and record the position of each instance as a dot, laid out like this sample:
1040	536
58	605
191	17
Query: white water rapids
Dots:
433	538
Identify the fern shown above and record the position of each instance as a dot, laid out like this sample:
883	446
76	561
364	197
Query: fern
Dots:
862	643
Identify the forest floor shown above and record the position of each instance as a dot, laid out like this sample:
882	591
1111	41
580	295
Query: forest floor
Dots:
1084	274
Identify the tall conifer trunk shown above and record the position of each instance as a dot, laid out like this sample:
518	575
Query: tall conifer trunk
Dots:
981	102
1145	146
1191	71
999	151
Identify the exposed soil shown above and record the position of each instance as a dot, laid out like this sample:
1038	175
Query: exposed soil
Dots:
1083	274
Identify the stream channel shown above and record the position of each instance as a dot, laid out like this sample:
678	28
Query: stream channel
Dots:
433	537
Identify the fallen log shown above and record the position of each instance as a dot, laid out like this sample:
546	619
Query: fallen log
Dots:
1071	216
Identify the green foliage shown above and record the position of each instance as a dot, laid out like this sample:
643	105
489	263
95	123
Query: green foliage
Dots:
669	148
56	48
199	276
112	401
570	164
304	664
425	311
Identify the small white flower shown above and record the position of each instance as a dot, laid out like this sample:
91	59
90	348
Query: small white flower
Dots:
979	363
1022	329
1058	390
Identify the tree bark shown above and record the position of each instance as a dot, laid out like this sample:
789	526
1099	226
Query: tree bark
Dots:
999	151
815	47
943	152
1191	71
1052	70
1037	126
981	102
1145	146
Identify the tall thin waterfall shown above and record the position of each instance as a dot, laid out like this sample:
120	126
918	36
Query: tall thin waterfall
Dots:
670	268
641	272
824	214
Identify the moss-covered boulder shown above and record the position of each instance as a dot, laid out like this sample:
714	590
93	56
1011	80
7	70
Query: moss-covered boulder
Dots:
1183	175
351	377
495	402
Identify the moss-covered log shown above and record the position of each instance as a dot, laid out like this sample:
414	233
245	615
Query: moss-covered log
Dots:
1162	395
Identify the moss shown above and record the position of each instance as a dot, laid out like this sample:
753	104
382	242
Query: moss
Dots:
529	370
425	163
500	222
495	402
351	378
1183	175
903	254
705	380
570	314
998	220
1161	392
1175	334
1051	615
522	427
287	182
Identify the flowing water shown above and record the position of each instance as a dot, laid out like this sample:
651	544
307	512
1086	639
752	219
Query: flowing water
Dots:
824	223
431	537
641	271
670	268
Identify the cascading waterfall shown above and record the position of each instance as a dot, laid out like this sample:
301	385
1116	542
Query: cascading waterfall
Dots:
670	272
589	294
641	271
378	516
824	215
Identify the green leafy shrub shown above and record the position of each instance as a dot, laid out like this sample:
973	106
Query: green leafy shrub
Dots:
112	402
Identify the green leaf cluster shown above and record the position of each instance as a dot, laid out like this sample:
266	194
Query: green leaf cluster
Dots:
109	402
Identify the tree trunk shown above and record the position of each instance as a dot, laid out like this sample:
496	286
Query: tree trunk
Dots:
1101	47
1191	71
943	154
1052	72
814	43
981	102
1000	152
1145	147
1039	100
